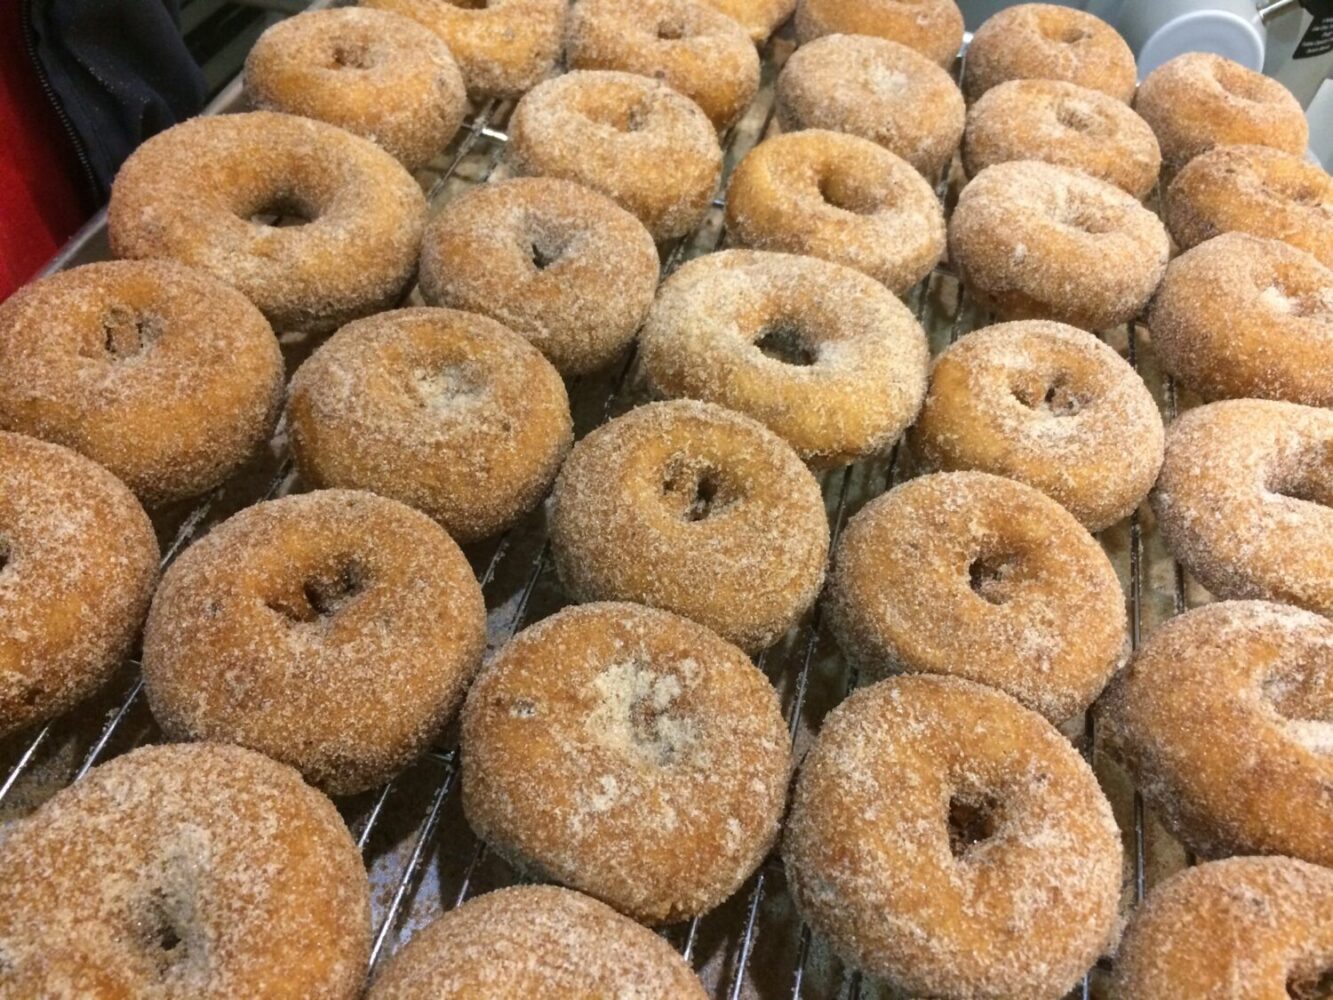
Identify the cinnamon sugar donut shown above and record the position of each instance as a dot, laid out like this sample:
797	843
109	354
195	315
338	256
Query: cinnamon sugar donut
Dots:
193	194
968	574
841	198
201	871
759	17
823	355
1036	241
372	72
1241	316
877	89
567	268
78	560
695	509
932	27
1064	124
628	753
687	44
334	631
535	941
1245	500
1050	406
950	842
645	146
1260	673
448	412
1043	41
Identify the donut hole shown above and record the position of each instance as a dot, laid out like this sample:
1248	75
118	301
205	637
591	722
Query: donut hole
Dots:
1315	986
992	578
1294	692
672	29
1308	477
1080	117
282	211
469	4
1060	30
627	114
127	333
785	342
1087	215
161	932
545	249
638	713
1052	397
325	595
694	492
446	386
1298	191
846	196
5	552
1291	295
1239	82
973	819
351	55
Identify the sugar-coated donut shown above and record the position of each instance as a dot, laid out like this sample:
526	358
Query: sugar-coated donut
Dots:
687	44
1255	190
536	941
698	510
1239	929
825	356
78	560
446	411
375	73
841	198
1036	241
1200	100
202	871
193	193
932	27
335	631
1261	673
504	47
1044	41
759	17
1245	500
592	751
161	373
1242	316
564	266
968	574
1050	406
945	839
647	147
877	89
1064	124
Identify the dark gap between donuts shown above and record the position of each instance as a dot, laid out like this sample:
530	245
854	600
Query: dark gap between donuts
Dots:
784	342
325	597
127	333
990	578
971	822
1318	986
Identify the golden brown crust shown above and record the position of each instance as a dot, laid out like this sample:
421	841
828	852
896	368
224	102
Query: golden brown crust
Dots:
932	27
759	17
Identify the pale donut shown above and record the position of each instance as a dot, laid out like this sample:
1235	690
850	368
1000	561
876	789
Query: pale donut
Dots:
932	27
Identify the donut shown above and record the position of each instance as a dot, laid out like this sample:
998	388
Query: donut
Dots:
1262	674
536	941
78	560
161	373
1036	241
504	47
1256	190
334	631
567	268
841	198
878	90
630	754
824	356
759	17
445	411
378	74
1043	41
1064	124
1245	500
203	871
1050	406
687	44
1200	100
1243	316
196	193
932	27
1244	927
645	146
697	510
971	575
950	842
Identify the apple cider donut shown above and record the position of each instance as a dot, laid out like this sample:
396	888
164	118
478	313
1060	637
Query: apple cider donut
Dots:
637	141
825	356
195	193
78	560
1050	406
630	754
698	510
202	871
1036	241
758	17
932	27
1245	500
335	631
968	574
948	841
1260	673
448	412
841	198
